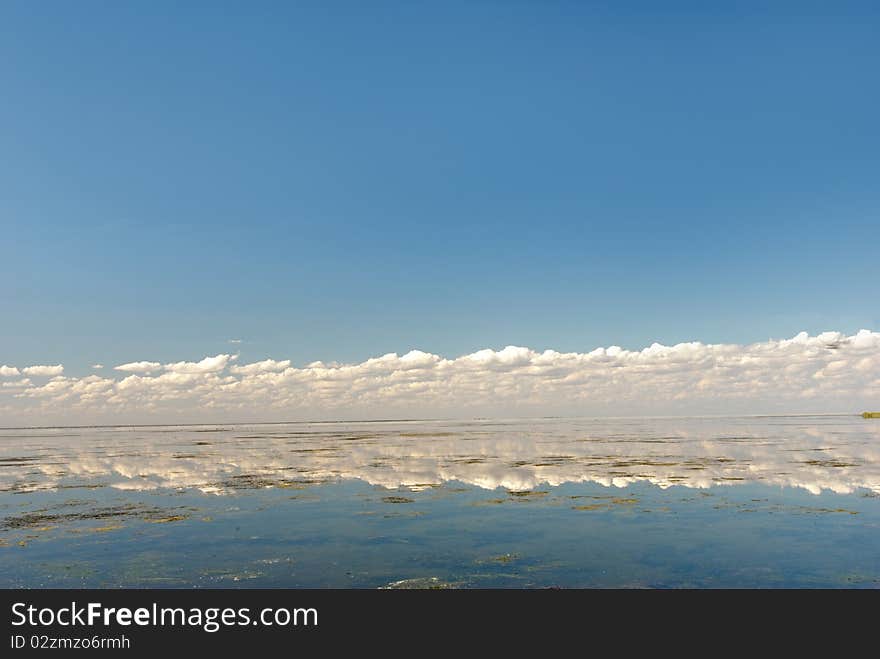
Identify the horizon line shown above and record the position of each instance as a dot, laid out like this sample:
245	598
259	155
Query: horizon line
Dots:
435	419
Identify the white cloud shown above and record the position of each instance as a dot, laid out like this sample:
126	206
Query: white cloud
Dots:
828	372
17	384
234	341
265	366
57	369
139	367
97	366
9	371
207	365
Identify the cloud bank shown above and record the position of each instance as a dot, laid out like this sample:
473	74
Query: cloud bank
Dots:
828	372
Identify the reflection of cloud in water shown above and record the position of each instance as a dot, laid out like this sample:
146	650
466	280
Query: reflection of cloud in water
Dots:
840	454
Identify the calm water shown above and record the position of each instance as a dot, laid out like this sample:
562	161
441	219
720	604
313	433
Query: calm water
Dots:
734	502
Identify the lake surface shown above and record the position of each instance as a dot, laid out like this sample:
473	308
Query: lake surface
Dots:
657	503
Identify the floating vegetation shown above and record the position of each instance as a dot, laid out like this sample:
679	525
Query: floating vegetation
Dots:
233	576
166	520
13	461
622	464
295	485
421	583
274	561
246	482
413	513
829	463
490	502
502	559
41	518
527	494
604	502
397	500
808	509
23	488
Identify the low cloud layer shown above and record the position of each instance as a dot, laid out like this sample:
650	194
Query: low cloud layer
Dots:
825	373
39	370
139	367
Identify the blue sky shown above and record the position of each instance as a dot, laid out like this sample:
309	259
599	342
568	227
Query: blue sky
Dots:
335	181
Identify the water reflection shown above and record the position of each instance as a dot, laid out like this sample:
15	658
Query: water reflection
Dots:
838	454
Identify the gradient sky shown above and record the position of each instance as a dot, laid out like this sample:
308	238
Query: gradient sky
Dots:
336	181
